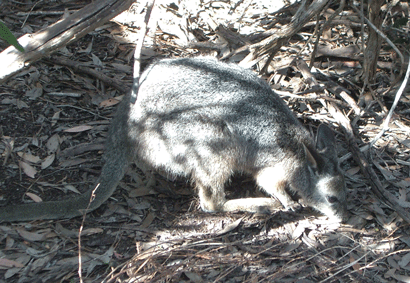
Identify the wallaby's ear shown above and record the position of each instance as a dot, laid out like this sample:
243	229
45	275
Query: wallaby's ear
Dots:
309	157
325	140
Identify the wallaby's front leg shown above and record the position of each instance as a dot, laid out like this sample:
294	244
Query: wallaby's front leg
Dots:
211	199
273	181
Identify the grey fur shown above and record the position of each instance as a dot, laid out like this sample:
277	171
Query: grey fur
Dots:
203	119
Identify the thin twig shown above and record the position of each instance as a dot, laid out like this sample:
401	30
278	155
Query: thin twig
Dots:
137	53
80	265
396	101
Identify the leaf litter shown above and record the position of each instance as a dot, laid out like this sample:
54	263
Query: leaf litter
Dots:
151	229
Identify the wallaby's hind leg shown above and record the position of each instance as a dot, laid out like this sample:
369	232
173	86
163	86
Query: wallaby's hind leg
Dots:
212	197
271	179
256	205
213	200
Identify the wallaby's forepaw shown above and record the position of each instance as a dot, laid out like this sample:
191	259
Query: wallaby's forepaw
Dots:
293	206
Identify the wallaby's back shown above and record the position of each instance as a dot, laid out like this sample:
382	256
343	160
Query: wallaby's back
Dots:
201	101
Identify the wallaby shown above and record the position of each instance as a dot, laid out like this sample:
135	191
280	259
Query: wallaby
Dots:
204	119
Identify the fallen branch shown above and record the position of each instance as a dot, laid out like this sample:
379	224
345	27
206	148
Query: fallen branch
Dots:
70	29
273	43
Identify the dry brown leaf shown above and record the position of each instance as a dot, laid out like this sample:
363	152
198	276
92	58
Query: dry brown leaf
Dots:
111	101
34	92
73	162
291	247
9	263
404	185
73	260
356	266
11	272
399	277
29	157
392	262
194	277
386	173
21	104
9	242
122	67
8	101
8	148
115	208
48	161
53	143
32	236
55	118
353	171
148	220
28	169
404	260
142	192
300	229
69	233
91	231
72	188
78	129
38	264
34	197
230	227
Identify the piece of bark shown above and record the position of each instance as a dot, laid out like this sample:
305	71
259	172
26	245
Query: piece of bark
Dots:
65	31
374	42
347	52
273	43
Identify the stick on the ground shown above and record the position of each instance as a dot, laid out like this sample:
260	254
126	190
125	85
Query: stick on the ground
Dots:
396	101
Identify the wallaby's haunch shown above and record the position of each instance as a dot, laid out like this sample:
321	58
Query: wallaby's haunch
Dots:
204	119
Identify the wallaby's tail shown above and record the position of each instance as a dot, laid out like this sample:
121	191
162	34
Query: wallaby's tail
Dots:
110	177
117	154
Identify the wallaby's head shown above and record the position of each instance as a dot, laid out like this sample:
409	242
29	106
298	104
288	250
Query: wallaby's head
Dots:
327	189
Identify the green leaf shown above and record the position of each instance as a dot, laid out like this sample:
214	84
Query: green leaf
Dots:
6	34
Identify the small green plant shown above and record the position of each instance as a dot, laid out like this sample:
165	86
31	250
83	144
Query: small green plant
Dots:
6	34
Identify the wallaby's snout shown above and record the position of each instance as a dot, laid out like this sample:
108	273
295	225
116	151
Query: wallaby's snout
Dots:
328	193
330	198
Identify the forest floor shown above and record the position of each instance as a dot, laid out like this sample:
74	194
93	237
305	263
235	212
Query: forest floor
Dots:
53	123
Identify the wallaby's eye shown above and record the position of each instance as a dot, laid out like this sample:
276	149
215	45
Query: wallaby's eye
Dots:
332	199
